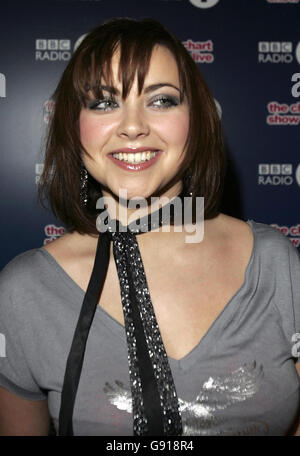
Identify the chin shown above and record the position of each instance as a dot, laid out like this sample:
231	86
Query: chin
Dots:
137	196
135	193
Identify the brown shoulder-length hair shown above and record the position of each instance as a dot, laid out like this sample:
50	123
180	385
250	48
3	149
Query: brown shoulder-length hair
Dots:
202	170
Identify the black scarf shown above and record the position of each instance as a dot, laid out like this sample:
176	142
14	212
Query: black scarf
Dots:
155	408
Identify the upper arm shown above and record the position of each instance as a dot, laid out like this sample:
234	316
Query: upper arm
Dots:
23	401
23	417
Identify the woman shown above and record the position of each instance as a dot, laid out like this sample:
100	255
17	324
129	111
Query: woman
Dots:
213	356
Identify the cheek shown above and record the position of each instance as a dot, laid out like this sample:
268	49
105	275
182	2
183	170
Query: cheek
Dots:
93	131
174	129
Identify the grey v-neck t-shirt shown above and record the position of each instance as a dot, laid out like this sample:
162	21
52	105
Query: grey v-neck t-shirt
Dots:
240	379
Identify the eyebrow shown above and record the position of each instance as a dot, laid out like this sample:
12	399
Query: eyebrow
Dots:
148	89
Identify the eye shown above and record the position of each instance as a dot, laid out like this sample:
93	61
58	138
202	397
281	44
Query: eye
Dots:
107	104
164	101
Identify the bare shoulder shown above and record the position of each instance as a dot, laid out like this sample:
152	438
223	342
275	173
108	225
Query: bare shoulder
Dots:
60	246
75	253
233	226
71	247
232	235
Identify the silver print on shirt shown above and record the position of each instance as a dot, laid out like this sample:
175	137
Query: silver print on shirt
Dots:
199	416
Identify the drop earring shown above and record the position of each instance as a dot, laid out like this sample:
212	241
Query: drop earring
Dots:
83	186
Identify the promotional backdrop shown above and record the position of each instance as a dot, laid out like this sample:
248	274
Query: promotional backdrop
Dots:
249	54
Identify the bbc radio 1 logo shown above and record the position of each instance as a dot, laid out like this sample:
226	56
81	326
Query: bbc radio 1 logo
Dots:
278	52
52	49
204	4
55	49
2	86
277	174
295	90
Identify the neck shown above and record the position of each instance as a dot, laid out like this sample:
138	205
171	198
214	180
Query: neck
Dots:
130	210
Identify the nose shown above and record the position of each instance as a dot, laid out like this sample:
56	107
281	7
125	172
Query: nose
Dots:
133	123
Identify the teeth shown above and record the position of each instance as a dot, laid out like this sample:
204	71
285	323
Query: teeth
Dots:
135	158
131	158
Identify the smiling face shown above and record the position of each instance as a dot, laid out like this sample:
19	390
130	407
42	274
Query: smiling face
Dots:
156	121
